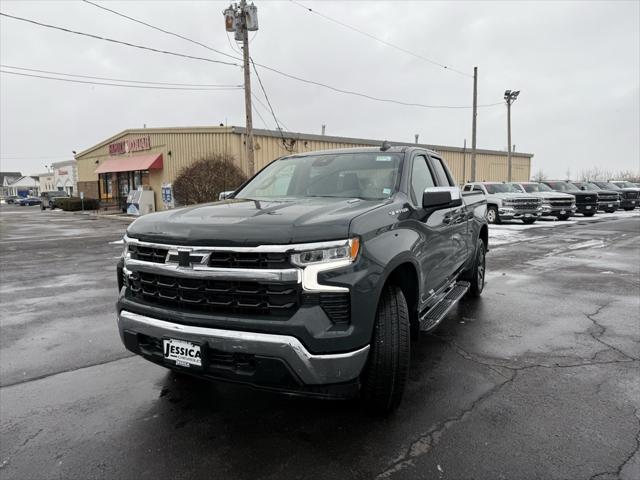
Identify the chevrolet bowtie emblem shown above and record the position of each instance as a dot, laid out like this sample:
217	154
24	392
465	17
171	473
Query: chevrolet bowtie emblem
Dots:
184	258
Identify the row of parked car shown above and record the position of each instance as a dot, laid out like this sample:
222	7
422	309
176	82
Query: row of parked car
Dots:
528	201
45	200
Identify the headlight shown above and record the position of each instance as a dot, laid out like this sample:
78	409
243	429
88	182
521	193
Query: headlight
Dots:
348	251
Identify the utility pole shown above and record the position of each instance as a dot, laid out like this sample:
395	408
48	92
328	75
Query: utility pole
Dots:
510	97
473	124
241	19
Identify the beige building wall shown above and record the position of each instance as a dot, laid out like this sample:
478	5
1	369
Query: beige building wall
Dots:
182	146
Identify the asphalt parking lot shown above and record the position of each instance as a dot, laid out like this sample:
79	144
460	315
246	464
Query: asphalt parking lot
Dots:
538	379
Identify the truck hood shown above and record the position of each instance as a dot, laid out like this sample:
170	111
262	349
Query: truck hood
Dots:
511	195
253	222
552	195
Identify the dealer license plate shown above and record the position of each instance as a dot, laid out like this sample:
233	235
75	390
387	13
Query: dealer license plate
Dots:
184	354
562	212
588	207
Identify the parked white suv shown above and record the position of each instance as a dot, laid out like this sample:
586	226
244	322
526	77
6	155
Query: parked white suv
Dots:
507	202
554	204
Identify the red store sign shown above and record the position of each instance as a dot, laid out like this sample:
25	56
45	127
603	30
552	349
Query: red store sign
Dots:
133	145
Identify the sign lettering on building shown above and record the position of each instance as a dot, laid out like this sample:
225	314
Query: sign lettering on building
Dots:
133	145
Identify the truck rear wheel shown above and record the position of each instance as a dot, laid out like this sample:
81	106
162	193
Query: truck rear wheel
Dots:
385	375
475	276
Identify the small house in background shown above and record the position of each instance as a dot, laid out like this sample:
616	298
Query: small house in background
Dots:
23	187
7	178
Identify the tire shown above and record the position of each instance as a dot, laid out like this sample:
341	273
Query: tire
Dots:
589	214
610	211
492	215
627	209
42	207
529	221
476	275
563	217
385	375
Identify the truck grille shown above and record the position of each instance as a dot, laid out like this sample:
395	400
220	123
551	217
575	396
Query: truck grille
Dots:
227	259
607	197
220	258
591	199
631	195
148	254
523	203
561	202
216	296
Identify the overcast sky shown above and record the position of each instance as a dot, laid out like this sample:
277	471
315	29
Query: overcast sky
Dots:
576	63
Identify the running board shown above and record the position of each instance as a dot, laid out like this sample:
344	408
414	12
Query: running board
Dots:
436	314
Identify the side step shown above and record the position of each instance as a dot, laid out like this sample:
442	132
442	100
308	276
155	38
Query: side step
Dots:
436	313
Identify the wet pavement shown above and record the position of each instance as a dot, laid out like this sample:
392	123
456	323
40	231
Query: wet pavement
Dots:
538	379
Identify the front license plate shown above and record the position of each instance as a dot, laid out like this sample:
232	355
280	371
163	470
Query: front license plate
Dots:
610	205
184	354
633	202
562	212
588	207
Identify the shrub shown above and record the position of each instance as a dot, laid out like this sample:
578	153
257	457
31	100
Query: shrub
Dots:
203	180
74	204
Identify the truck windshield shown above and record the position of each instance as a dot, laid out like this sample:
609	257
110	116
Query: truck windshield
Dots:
536	187
563	186
501	188
588	186
370	176
626	184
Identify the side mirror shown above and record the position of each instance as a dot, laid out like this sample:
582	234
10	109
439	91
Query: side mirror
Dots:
441	197
225	195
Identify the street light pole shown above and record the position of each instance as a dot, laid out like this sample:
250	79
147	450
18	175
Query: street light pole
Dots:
510	97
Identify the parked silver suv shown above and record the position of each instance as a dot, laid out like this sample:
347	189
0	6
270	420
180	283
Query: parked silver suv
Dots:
506	202
554	204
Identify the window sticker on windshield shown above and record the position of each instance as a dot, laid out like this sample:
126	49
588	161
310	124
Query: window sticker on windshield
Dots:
386	191
384	158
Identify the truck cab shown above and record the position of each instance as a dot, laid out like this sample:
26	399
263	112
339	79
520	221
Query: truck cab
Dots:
310	278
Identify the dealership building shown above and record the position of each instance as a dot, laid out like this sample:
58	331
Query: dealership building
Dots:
153	157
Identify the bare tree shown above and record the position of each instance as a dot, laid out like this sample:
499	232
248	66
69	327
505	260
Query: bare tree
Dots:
203	180
628	175
539	176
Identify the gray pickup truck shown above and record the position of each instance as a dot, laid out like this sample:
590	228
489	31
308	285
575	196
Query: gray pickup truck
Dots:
311	278
554	204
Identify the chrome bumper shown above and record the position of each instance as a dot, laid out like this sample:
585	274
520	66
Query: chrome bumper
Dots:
311	369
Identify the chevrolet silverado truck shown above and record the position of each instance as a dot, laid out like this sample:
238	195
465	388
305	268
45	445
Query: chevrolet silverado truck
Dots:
507	202
630	192
608	200
586	202
554	204
311	278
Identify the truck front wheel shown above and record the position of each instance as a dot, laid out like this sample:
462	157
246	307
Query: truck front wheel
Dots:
385	375
492	215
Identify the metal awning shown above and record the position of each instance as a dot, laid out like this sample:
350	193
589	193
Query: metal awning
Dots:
130	164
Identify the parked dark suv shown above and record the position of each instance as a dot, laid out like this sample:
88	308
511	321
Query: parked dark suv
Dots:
310	278
586	202
48	198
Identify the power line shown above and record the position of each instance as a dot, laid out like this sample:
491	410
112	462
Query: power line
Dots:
294	77
384	42
120	42
119	79
290	76
264	92
152	87
253	106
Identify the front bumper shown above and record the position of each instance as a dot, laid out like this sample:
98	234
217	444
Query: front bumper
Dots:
629	203
590	208
609	205
555	210
508	213
261	359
